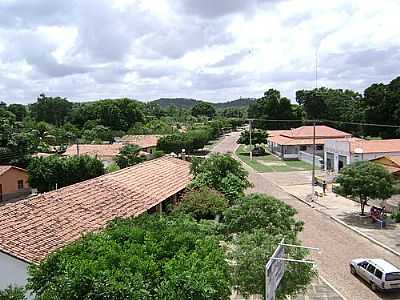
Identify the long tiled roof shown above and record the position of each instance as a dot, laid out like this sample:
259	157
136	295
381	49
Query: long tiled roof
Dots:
99	150
32	228
143	141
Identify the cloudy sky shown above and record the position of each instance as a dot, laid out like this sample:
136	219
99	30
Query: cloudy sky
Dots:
216	50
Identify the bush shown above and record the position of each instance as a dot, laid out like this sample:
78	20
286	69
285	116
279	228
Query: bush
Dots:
12	293
150	257
396	215
129	156
204	203
222	173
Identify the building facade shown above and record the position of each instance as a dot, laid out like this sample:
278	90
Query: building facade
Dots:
13	183
339	153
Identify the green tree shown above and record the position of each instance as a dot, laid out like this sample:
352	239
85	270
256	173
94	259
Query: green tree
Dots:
47	173
383	107
272	107
150	257
129	155
12	293
256	224
222	173
18	110
258	136
98	133
204	203
53	110
203	109
365	180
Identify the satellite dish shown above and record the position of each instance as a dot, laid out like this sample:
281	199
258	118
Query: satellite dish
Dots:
358	151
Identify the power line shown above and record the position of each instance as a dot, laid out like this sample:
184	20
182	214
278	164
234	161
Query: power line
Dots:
328	121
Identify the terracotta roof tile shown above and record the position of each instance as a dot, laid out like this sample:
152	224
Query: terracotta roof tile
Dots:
375	146
143	141
99	150
32	228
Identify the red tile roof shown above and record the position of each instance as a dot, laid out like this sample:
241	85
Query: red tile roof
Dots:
4	169
321	131
304	135
32	228
143	141
99	150
375	146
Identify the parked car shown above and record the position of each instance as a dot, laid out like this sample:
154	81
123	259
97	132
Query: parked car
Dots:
380	274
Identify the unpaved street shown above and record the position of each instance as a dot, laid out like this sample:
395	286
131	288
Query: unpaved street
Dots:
338	244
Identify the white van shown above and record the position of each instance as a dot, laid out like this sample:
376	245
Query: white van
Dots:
380	274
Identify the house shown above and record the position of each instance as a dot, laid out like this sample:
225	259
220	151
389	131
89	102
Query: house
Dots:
297	143
147	143
33	228
13	183
341	152
390	163
104	152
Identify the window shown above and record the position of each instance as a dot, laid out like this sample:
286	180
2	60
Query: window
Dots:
392	276
303	148
320	147
371	269
20	184
363	264
378	274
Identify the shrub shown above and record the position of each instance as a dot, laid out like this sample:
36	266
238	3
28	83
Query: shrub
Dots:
12	293
204	203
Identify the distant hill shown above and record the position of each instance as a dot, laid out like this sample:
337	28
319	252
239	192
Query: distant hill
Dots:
189	103
242	102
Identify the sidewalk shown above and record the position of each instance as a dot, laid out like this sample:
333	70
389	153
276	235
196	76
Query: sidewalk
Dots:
347	212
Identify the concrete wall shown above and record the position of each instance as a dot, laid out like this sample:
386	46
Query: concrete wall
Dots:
12	271
341	151
9	181
308	158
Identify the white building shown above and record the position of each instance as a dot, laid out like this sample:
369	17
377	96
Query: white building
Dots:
297	143
339	153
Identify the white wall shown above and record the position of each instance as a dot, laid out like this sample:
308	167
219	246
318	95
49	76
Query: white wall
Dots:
12	271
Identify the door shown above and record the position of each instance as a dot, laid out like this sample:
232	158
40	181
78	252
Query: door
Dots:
362	270
371	275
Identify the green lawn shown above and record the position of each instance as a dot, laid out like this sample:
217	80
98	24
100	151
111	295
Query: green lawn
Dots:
271	163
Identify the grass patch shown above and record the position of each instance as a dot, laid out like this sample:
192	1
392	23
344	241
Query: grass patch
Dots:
260	163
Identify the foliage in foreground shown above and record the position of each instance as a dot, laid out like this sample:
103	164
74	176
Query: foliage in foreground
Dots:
365	180
150	257
256	226
12	293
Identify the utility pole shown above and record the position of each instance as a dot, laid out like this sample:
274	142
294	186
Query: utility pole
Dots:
313	165
77	147
251	153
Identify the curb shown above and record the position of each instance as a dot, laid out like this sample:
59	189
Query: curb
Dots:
332	287
364	235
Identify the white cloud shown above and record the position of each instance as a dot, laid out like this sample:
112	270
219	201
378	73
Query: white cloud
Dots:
215	50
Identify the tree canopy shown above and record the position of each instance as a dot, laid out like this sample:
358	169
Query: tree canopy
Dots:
258	136
47	173
53	110
203	109
272	107
150	257
129	155
365	180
